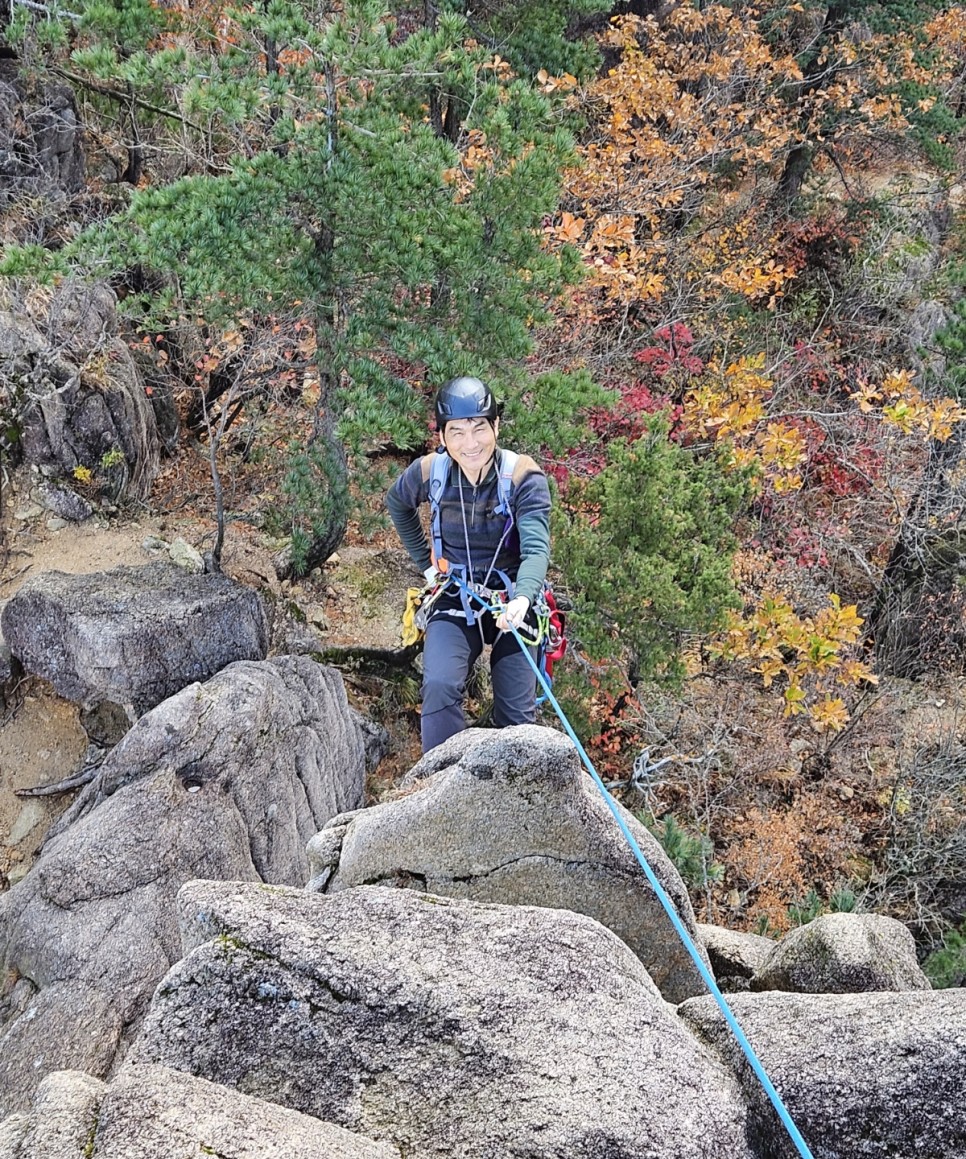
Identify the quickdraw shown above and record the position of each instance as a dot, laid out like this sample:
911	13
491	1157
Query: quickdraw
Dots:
555	631
430	594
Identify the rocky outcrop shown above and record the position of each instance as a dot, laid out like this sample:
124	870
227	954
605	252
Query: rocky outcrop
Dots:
735	956
434	1026
134	635
41	139
508	816
151	1112
50	1020
872	1075
225	780
60	1122
75	392
843	954
444	1027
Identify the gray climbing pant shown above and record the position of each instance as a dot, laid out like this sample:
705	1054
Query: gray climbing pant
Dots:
451	649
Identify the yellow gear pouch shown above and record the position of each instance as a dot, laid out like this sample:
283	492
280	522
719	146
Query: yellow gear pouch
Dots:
410	633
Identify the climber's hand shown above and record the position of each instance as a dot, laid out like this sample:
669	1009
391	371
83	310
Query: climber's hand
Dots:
513	614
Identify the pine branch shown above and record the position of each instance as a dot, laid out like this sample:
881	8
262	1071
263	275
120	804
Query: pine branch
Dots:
127	98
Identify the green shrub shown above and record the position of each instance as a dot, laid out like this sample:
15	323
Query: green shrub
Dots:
691	853
947	967
646	548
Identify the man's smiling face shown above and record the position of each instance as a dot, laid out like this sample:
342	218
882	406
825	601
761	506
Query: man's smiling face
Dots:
472	443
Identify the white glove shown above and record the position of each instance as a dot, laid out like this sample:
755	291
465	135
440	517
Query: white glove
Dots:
430	575
513	614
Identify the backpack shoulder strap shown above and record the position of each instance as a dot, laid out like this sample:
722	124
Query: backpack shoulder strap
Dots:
436	472
513	468
505	478
525	466
426	465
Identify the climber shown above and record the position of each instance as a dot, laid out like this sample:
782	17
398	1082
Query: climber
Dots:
490	528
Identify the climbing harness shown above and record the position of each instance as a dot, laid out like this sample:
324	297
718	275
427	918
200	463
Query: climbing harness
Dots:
706	975
547	635
506	462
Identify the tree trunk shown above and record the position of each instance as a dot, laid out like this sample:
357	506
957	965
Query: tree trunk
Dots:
793	175
320	492
443	113
817	72
329	453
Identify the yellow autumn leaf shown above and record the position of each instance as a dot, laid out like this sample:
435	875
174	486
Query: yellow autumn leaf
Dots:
822	653
839	623
768	670
942	417
902	415
785	483
898	382
741	457
855	672
794	700
866	398
782	445
829	715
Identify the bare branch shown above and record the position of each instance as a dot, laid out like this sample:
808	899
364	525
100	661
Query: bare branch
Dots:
45	9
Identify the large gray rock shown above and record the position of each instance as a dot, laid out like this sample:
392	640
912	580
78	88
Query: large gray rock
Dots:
151	1112
735	955
445	1027
53	1021
41	138
64	502
59	139
133	635
225	780
59	1123
843	954
509	816
879	1075
75	391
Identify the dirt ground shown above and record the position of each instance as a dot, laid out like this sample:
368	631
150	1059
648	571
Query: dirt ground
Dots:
356	599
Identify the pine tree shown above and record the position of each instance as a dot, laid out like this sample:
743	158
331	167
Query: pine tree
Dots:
335	180
646	545
536	36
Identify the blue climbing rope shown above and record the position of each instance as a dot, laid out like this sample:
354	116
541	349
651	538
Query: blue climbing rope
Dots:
662	896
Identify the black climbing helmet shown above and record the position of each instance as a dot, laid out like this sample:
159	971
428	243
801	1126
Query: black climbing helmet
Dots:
465	398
